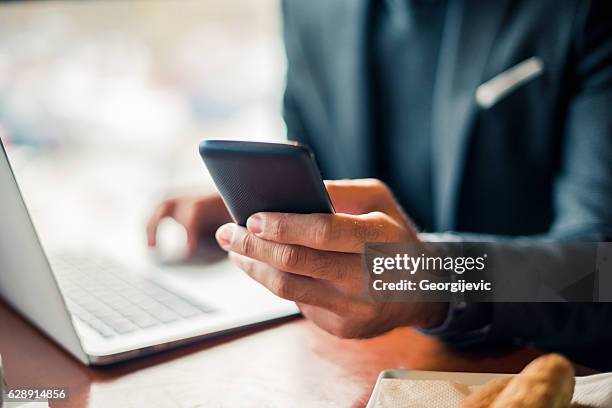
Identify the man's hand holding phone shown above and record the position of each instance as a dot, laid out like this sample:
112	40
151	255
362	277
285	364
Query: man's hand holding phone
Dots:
315	259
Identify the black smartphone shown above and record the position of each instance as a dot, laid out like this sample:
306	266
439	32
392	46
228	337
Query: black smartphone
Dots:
265	177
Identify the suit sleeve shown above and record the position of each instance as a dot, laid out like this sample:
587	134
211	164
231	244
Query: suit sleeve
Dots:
583	208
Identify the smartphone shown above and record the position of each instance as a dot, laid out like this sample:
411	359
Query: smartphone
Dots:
265	177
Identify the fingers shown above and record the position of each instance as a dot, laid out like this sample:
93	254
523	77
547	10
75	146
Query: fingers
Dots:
198	215
300	260
357	196
328	232
362	196
165	209
290	286
190	214
186	212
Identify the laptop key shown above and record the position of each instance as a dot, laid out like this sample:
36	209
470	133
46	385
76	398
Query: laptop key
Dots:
187	311
144	321
101	328
166	316
120	325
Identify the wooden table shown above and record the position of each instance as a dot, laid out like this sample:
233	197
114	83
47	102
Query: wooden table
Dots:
288	364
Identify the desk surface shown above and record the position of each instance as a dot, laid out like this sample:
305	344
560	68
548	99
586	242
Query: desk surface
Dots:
292	363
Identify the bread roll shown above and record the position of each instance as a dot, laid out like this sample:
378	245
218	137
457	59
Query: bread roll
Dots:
484	396
547	382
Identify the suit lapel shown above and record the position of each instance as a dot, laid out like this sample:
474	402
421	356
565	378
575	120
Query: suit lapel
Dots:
470	29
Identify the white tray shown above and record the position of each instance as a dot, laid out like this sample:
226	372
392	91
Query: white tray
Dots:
464	378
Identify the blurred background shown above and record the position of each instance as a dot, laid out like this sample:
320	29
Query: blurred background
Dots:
103	103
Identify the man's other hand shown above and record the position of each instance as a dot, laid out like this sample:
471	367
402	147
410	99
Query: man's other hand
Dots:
200	215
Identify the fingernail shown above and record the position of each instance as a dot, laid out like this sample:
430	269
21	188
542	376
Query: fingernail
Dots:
255	224
224	235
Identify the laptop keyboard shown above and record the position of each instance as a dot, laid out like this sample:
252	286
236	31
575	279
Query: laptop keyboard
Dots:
113	301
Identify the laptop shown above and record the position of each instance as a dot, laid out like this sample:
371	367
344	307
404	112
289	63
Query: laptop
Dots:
102	311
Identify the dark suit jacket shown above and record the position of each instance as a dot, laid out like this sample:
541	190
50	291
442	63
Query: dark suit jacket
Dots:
530	160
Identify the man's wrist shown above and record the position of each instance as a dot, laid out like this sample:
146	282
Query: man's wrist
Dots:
433	315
